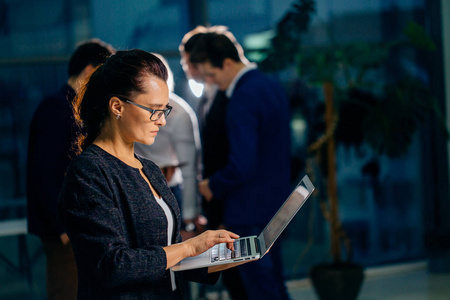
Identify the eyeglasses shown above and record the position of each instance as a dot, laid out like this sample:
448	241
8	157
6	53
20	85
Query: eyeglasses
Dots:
156	114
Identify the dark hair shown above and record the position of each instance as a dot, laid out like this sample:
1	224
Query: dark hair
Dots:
190	39
91	52
124	74
214	47
194	40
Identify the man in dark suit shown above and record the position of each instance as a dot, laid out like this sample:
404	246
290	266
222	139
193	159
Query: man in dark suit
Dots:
215	150
256	179
211	114
52	134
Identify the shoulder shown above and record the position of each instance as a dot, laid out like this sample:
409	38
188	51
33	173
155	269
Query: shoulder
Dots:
94	168
180	105
62	97
87	181
256	78
182	113
89	161
248	86
256	83
56	105
256	92
94	161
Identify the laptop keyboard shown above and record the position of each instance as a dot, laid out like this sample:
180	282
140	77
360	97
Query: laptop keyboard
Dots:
220	252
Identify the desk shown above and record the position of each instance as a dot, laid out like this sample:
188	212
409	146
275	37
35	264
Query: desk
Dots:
17	227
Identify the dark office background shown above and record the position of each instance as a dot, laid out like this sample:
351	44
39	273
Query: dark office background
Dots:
405	217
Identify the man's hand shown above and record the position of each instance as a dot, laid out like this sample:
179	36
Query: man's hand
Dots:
194	227
185	235
168	172
188	230
205	191
64	239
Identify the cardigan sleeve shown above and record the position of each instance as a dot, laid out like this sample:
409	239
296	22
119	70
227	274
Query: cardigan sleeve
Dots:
96	229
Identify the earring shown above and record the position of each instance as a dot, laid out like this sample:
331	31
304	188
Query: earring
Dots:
118	116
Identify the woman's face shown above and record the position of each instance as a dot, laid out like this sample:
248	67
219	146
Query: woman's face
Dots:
135	121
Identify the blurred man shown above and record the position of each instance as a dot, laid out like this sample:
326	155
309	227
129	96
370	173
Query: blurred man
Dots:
52	134
255	181
211	113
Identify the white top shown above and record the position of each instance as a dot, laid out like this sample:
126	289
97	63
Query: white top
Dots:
178	144
170	222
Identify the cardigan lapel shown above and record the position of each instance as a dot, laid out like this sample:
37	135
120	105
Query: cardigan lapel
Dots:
156	178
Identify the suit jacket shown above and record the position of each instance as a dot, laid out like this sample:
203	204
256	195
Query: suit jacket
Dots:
52	133
214	136
256	179
118	230
215	151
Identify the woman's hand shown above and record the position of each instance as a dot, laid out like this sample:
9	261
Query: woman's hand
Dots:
168	172
208	239
198	244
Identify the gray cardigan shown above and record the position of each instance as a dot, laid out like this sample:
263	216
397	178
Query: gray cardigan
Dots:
118	230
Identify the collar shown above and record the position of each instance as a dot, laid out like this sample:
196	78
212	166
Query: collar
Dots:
230	89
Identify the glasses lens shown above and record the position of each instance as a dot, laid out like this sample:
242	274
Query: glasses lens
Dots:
157	115
167	111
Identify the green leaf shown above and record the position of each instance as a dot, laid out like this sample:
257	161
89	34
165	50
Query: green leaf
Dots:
365	55
418	37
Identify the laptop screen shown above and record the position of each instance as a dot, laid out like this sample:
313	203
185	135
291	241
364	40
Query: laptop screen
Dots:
285	214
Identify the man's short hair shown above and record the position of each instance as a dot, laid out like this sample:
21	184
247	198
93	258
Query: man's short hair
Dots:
91	52
190	39
214	48
212	44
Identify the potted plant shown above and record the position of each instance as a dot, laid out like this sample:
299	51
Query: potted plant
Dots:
383	115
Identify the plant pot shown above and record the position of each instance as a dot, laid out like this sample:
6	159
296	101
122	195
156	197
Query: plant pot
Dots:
337	281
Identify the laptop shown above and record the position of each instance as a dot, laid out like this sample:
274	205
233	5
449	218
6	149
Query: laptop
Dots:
253	247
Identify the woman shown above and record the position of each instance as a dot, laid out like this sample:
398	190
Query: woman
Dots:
122	219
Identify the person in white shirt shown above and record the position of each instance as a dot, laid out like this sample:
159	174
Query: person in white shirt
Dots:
177	153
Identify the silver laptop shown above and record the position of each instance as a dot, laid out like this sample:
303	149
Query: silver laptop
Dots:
253	247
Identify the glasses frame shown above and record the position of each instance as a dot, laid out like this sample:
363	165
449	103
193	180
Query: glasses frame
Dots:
164	112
